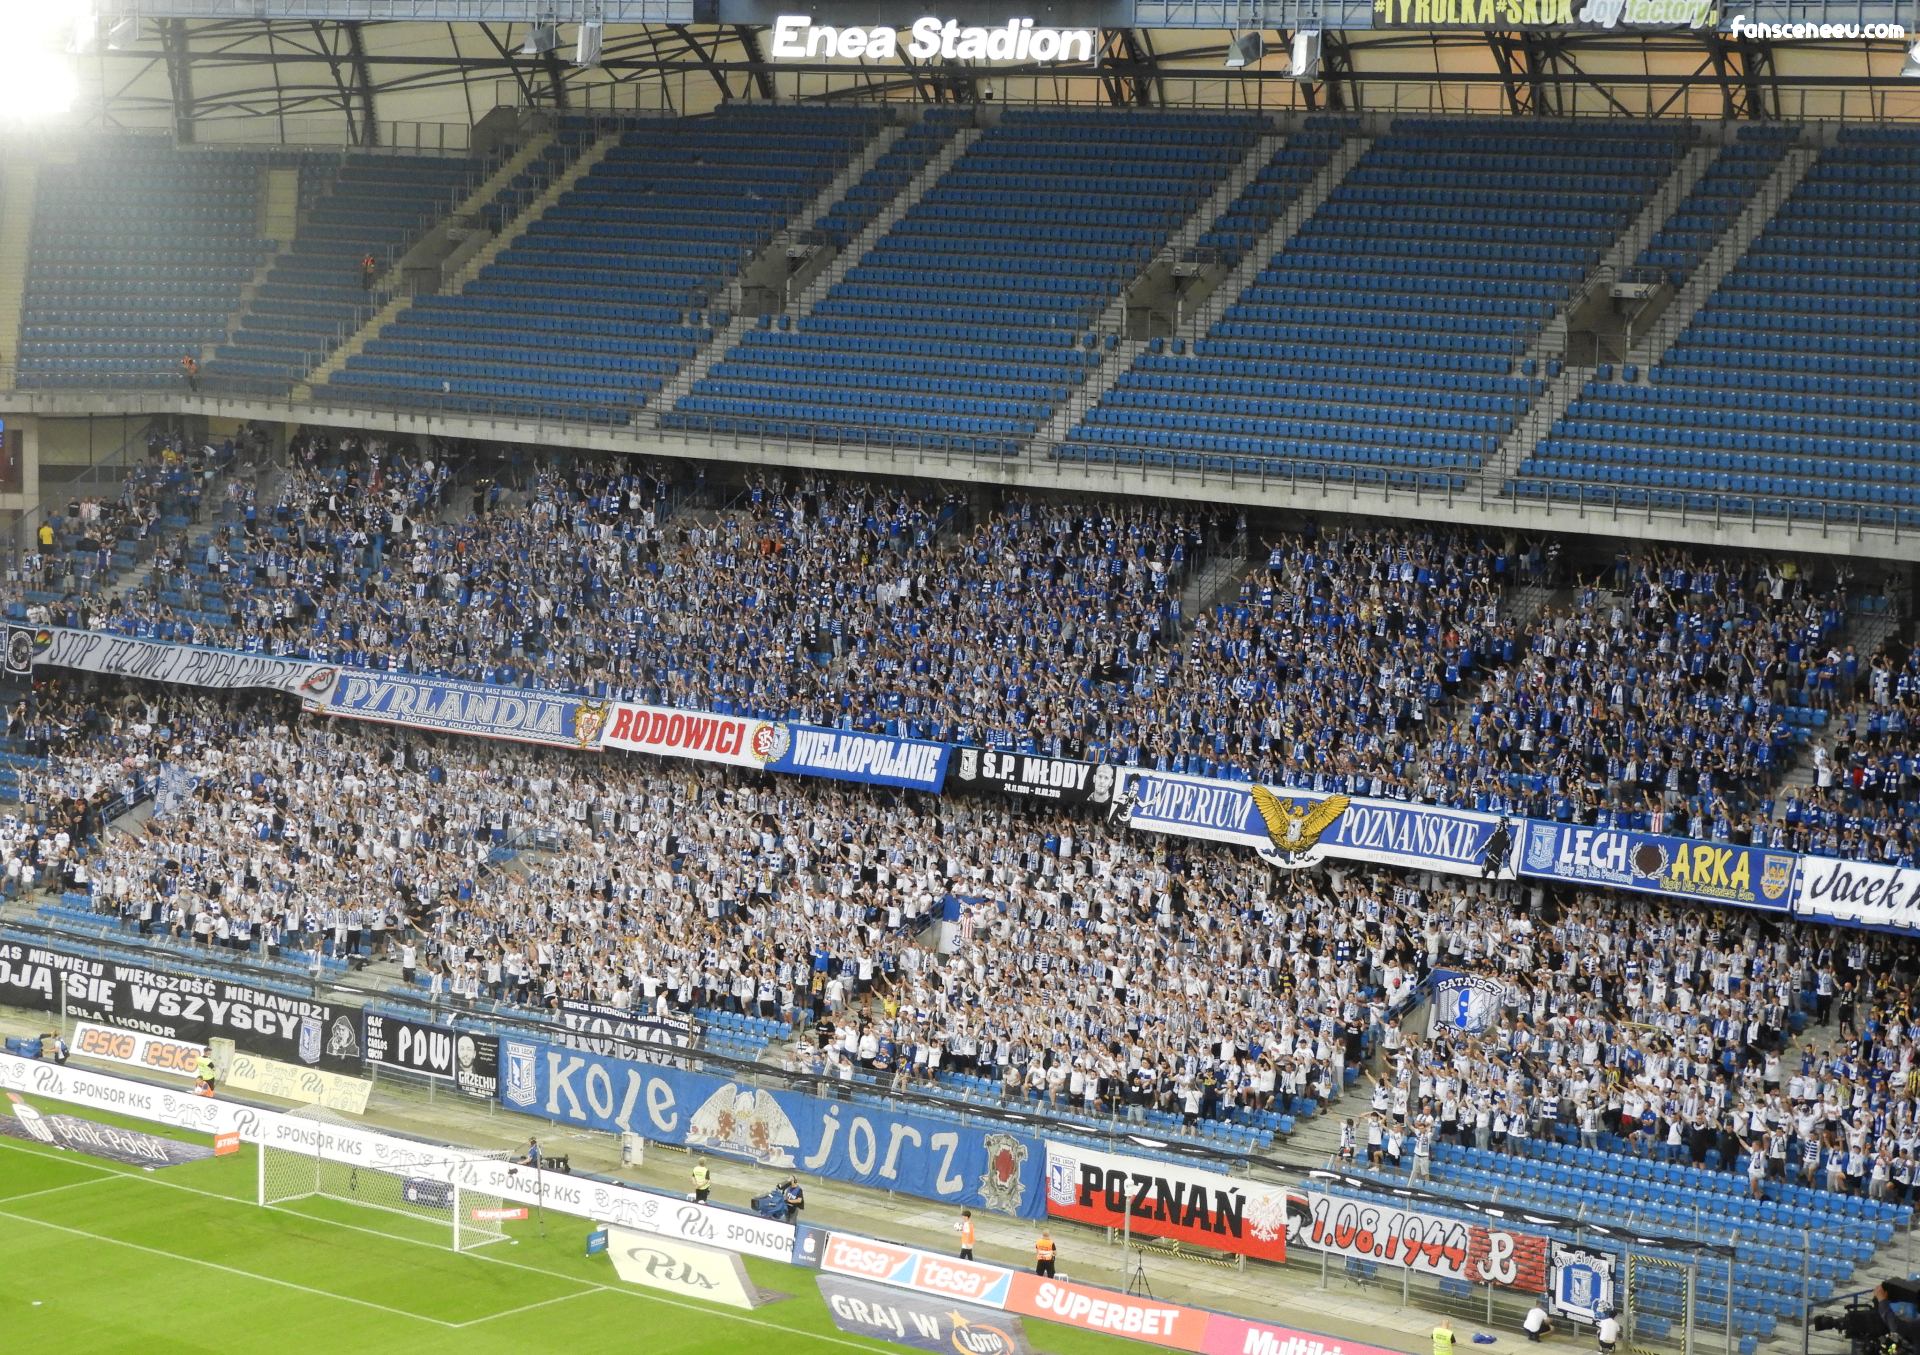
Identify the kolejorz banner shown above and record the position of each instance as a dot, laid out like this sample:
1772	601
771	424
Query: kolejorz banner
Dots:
1626	16
472	708
186	1007
781	1130
1706	872
468	1060
99	651
984	771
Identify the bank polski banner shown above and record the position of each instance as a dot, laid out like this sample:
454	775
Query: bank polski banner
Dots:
1167	1199
1706	872
894	1150
1384	832
1863	893
99	651
473	708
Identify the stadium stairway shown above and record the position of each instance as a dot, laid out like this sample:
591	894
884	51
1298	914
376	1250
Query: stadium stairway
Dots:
771	263
1793	390
902	202
1255	256
597	303
1386	344
1552	341
314	296
1344	157
1760	210
969	323
1180	245
590	155
18	176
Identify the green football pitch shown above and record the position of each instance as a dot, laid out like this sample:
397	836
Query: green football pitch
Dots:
99	1257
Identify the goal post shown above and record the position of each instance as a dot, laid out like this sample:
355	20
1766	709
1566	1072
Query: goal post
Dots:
428	1190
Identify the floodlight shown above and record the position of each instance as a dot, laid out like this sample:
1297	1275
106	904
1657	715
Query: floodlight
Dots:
1306	55
1245	50
541	39
124	34
586	45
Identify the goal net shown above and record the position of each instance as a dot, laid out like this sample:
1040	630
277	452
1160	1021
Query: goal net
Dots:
323	1165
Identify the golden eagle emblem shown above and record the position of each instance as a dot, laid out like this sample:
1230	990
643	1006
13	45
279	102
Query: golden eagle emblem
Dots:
1294	825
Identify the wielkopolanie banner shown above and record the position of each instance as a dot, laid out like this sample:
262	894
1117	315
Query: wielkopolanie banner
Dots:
184	1007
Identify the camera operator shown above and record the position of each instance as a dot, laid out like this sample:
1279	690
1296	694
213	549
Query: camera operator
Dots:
1904	1292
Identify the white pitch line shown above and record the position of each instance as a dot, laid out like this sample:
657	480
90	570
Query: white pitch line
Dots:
52	1190
652	1296
230	1270
525	1307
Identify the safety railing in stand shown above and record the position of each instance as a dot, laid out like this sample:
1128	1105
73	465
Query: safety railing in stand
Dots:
1700	507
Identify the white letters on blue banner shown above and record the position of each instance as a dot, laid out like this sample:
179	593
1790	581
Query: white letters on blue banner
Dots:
1716	872
474	708
841	1140
873	759
1385	832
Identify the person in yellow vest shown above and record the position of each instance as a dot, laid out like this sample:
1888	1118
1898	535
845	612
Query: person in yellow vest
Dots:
203	1073
964	1227
702	1181
1443	1338
1043	1256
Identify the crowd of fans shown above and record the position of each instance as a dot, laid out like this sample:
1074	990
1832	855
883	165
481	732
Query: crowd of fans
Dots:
1086	966
1384	661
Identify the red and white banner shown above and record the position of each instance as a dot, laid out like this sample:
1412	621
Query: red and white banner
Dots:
1163	1199
922	1272
736	740
1425	1242
486	1215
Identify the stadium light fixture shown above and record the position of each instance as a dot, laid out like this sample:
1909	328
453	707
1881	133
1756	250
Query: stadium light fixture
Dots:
586	45
1306	55
1245	50
541	39
36	72
1910	68
124	34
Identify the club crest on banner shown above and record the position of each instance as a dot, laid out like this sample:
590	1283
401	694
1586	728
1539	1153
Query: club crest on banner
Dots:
310	1034
1002	1186
747	1122
522	1075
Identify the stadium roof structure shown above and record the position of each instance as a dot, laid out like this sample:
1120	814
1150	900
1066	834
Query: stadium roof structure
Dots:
370	72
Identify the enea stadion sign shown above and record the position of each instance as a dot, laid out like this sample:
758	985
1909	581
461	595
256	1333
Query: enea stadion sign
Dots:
797	38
